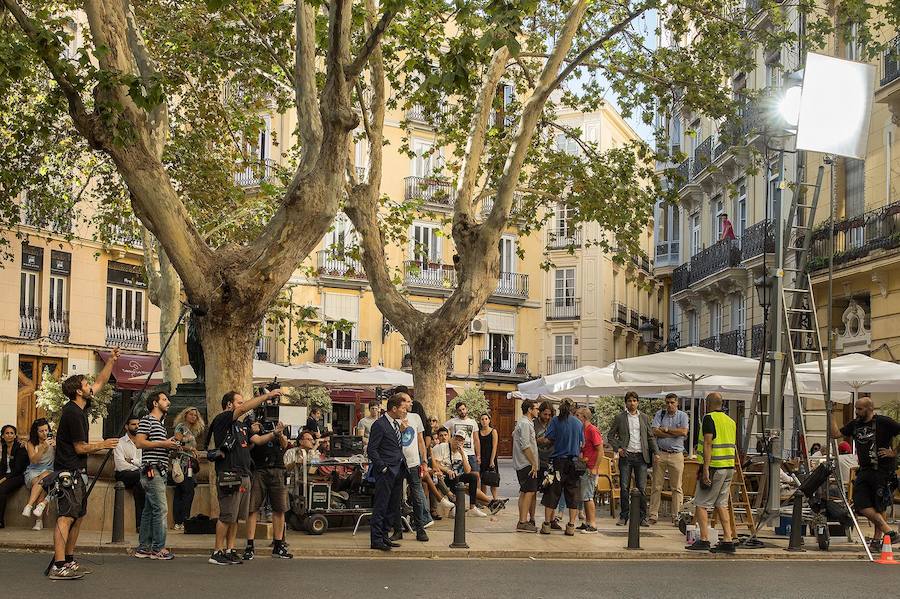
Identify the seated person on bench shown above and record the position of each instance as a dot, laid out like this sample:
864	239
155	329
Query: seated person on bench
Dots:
451	466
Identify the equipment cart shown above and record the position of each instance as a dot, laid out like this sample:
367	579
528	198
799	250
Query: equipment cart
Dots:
334	495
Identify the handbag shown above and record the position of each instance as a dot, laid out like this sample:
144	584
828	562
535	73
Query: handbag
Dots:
490	478
228	482
176	471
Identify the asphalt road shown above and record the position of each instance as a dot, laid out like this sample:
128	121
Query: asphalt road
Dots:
117	576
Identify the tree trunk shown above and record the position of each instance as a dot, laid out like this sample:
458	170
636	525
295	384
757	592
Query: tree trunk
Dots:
228	352
169	302
429	369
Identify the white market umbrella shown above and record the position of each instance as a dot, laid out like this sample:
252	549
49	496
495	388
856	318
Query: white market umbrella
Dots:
857	372
263	372
595	381
381	376
690	364
537	385
310	373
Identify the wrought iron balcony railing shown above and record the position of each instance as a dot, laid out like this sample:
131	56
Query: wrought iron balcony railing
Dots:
758	239
355	352
126	333
563	308
434	191
557	364
30	322
498	362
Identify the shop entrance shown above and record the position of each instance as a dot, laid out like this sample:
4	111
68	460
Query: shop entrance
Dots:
32	370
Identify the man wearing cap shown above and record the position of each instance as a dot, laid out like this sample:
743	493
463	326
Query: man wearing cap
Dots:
670	427
449	460
717	448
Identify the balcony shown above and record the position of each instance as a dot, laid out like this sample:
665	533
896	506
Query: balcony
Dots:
668	253
255	174
434	192
563	308
429	278
563	240
126	334
421	115
509	363
733	342
59	326
512	287
710	343
31	215
634	320
757	340
674	341
702	157
681	278
758	239
407	359
683	174
340	270
264	349
858	237
515	212
557	364
30	322
127	235
349	353
619	314
890	62
710	261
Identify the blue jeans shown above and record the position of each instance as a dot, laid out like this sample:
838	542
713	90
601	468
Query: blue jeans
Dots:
152	536
421	515
632	464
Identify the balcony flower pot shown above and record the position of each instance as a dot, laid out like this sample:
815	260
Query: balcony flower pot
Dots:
321	355
485	365
521	368
407	361
362	358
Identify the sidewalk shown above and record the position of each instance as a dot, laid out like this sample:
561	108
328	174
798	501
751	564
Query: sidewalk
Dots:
492	537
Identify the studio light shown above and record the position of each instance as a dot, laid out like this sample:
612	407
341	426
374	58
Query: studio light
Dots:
789	106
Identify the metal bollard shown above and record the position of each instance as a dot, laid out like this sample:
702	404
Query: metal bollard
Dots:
459	519
634	520
118	527
796	542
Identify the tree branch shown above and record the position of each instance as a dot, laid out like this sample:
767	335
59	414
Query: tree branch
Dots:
309	119
352	70
279	62
158	121
571	134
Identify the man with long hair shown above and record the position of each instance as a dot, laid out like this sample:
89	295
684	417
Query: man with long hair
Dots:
70	468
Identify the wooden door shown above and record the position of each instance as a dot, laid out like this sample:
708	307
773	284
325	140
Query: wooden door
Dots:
32	369
504	418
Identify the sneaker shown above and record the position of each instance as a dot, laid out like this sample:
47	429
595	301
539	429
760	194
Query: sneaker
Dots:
218	558
588	530
526	527
495	506
162	554
645	523
532	522
446	504
554	524
27	511
570	529
64	573
421	535
699	545
78	567
653	521
476	511
249	554
142	553
723	547
281	552
894	536
233	557
38	510
179	527
429	524
545	528
621	522
38	525
581	526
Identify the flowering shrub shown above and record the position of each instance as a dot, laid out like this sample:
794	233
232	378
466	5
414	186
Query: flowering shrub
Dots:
311	397
475	401
50	398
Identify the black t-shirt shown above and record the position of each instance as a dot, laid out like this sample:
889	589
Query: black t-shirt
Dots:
870	437
237	459
268	455
72	428
312	425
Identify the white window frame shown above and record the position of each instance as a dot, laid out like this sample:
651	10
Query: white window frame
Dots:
339	343
564	282
428	232
693	328
563	348
715	319
716	209
58	297
29	292
427	162
503	362
738	312
342	236
122	311
740	208
695	227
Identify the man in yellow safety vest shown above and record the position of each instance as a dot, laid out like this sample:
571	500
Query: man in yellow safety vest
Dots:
717	447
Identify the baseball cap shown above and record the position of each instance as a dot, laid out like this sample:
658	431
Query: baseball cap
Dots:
843	447
460	434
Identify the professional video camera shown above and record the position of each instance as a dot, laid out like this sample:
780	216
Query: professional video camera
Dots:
267	413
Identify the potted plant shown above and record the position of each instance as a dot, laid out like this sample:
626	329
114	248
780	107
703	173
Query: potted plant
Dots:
321	355
485	365
362	358
521	368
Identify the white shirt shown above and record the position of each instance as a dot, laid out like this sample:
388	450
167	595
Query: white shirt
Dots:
126	450
409	439
634	432
467	426
366	425
441	452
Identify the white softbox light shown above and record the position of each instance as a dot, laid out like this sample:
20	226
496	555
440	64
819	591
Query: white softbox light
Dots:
835	106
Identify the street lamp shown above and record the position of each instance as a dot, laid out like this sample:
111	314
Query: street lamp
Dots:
763	285
648	334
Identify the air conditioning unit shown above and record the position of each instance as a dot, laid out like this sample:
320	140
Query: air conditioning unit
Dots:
478	326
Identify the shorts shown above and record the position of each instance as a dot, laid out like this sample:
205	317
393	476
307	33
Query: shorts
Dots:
71	501
33	473
565	484
717	495
234	506
271	481
473	464
528	483
588	486
872	489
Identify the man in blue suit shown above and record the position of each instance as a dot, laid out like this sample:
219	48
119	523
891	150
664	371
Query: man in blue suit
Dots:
387	463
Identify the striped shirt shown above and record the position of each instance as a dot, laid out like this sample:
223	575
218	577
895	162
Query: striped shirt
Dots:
154	431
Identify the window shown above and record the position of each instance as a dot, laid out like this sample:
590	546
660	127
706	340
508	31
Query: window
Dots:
888	164
567	144
676	135
29	292
361	155
339	344
124	308
717	209
427	162
694	138
855	193
57	303
773	70
564	227
676	223
507	254
738	312
774	188
693	328
500	349
564	287
740	209
854	48
695	233
563	346
715	319
341	237
425	243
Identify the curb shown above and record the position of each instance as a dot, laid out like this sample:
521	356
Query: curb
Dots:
746	555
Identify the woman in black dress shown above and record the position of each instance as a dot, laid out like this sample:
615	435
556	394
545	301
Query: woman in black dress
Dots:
488	442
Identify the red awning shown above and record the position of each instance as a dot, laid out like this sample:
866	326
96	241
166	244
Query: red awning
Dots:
129	366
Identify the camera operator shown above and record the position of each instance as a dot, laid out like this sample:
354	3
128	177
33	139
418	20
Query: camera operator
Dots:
268	478
233	465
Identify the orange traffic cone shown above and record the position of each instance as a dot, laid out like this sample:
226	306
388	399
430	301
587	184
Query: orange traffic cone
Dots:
887	553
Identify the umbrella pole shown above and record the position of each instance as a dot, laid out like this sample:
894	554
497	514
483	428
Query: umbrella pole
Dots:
691	443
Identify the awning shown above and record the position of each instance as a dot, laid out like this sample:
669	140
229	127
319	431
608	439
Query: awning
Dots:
129	366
